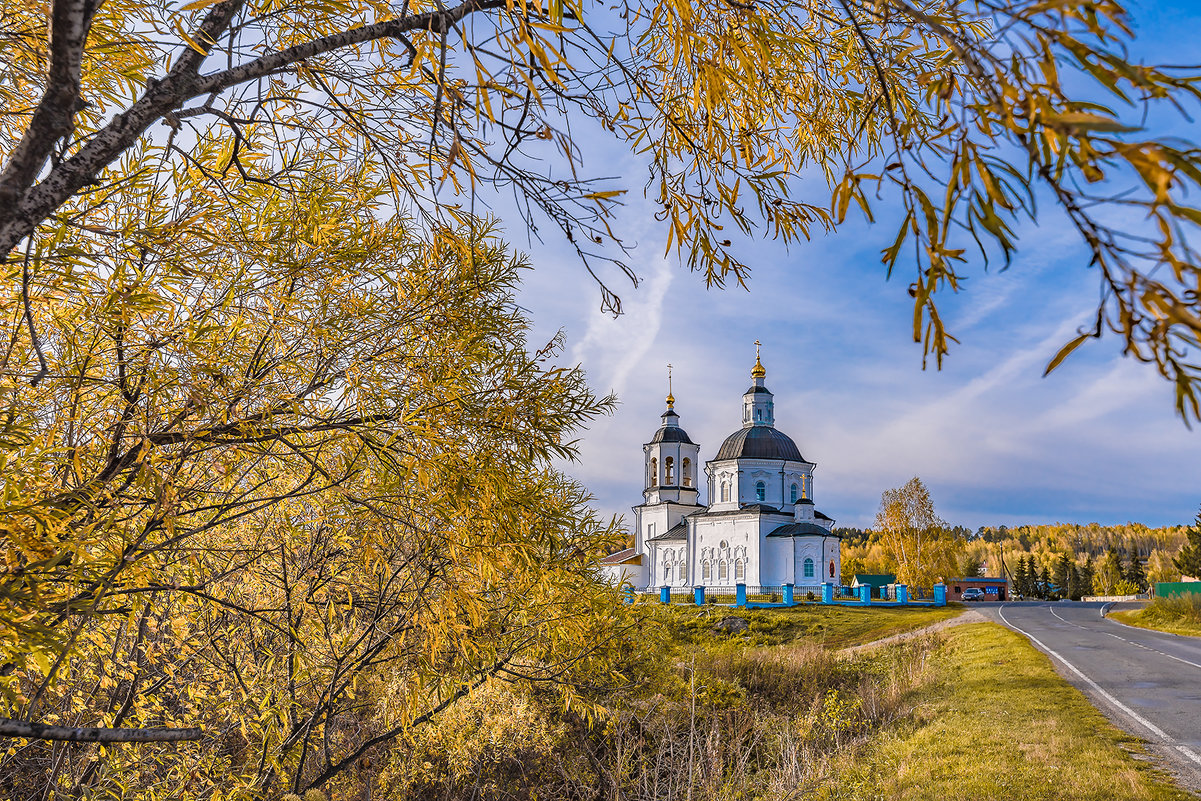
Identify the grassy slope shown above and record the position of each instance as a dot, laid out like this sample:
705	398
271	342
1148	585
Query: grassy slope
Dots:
830	626
999	723
1148	618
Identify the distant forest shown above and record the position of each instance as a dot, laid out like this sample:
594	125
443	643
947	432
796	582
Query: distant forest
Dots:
1034	556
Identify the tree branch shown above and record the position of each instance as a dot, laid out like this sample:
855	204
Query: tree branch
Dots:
36	731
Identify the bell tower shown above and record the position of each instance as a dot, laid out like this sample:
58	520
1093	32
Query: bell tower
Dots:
671	462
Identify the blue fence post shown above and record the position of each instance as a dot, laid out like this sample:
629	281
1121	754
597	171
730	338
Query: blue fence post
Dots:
740	597
902	595
788	595
865	595
665	595
940	594
827	593
628	592
698	596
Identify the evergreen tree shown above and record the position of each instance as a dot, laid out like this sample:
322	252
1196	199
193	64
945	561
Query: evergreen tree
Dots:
1044	583
1188	561
1086	576
1019	577
1061	578
1071	587
1135	573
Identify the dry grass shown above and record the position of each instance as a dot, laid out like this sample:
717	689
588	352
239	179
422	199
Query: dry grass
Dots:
1176	614
999	723
829	626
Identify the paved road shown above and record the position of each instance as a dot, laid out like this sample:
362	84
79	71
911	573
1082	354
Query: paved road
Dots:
1147	682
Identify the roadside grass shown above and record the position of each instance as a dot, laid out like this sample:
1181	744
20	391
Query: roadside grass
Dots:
828	626
1176	614
997	722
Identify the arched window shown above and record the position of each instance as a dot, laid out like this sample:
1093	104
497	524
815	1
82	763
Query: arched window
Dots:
686	472
831	568
808	567
669	469
794	493
683	572
667	572
706	571
760	491
654	473
725	491
723	570
740	570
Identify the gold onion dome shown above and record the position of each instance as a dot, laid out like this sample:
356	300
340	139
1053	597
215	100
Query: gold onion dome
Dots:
758	371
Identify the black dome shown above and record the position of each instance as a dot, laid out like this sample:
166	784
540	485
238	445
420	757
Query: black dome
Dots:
671	434
759	442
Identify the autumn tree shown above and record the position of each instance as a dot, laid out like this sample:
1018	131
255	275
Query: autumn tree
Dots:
960	114
915	537
1188	560
285	490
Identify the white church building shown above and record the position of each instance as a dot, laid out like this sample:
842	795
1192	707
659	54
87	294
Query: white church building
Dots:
760	528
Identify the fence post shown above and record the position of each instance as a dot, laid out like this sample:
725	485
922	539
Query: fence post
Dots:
788	595
902	595
827	593
740	597
628	594
865	595
940	594
665	595
698	596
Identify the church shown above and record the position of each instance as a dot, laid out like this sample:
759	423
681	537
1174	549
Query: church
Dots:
761	527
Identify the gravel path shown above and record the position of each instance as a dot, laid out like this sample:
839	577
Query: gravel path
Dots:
969	616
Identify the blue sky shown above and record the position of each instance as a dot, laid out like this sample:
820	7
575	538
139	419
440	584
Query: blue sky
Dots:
995	442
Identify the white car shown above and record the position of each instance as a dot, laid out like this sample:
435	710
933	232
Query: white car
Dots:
972	594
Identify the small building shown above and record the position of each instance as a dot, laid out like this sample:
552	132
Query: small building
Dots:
879	582
995	589
622	567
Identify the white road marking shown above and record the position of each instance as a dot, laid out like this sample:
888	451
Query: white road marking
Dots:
1130	642
1148	725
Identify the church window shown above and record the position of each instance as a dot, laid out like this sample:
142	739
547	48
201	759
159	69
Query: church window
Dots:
667	572
725	491
808	567
669	469
794	493
706	571
760	491
683	572
654	473
723	570
740	570
650	531
686	472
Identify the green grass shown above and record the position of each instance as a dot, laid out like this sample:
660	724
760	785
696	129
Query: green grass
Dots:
1176	614
829	626
997	722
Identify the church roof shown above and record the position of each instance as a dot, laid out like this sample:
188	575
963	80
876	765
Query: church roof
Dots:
677	532
759	442
802	529
670	431
671	434
627	557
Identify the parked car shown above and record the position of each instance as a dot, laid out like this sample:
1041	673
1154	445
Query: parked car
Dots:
973	594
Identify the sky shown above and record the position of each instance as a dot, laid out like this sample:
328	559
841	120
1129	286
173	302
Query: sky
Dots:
996	443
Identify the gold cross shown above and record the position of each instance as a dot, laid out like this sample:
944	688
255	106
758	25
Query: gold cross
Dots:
669	379
757	344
